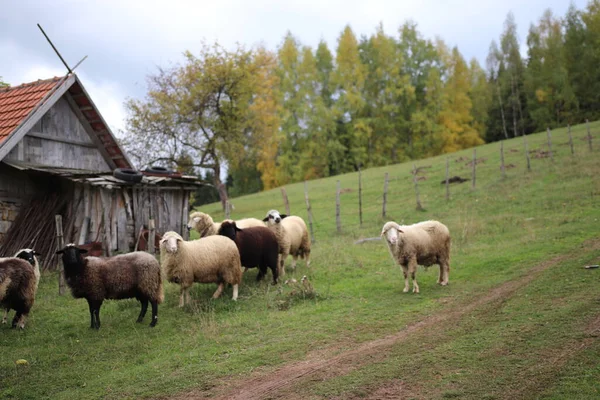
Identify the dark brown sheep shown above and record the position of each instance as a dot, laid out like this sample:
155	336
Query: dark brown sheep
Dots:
257	245
133	275
18	284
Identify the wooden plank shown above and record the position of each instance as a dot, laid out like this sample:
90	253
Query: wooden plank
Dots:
60	140
61	245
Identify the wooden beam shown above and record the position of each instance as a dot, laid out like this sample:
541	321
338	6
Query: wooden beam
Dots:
46	104
61	140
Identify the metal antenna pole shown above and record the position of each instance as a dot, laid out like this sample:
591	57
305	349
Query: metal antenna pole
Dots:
55	50
80	61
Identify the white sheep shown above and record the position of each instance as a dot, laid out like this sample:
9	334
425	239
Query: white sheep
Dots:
205	226
212	259
292	236
19	278
425	243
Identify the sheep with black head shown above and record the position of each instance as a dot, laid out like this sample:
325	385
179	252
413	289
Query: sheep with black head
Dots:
258	247
133	275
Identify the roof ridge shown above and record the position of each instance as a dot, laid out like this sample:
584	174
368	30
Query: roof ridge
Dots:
30	84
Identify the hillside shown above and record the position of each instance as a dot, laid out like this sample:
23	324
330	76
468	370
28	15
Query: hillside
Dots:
519	319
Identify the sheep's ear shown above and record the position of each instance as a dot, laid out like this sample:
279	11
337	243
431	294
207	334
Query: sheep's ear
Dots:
283	216
196	219
399	229
265	219
35	253
82	251
236	228
60	252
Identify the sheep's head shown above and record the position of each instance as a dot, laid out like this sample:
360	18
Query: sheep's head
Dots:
71	254
391	231
200	222
28	255
273	217
229	229
170	242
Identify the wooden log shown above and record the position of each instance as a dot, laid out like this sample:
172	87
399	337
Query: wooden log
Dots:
285	201
309	211
385	189
85	227
337	209
184	215
60	244
151	235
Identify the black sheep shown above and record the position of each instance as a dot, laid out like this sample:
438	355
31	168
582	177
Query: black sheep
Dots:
257	245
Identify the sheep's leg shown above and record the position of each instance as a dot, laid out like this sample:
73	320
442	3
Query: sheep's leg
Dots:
154	304
97	313
412	269
144	309
405	272
92	319
442	273
183	296
235	292
275	273
307	257
219	290
18	320
445	267
294	260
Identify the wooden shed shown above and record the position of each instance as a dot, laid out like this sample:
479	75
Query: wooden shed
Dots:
57	157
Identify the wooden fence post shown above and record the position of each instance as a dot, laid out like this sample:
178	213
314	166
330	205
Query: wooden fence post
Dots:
61	243
285	200
589	135
527	153
360	197
502	159
309	211
151	235
419	207
337	209
549	144
570	139
385	189
447	178
473	178
227	209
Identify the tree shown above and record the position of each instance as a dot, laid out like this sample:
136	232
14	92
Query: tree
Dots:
2	83
481	95
202	109
496	123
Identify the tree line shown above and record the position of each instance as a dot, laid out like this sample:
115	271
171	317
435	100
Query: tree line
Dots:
298	113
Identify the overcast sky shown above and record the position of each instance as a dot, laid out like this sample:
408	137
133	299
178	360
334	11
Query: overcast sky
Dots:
125	40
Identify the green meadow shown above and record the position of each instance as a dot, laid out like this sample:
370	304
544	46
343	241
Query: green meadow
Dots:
519	319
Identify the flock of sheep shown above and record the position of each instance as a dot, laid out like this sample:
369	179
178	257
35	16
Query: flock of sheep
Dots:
217	257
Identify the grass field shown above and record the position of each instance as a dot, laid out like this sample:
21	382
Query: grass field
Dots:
520	318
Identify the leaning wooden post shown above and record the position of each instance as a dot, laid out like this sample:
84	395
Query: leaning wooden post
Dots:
527	153
570	139
502	159
549	143
285	200
309	211
359	196
419	207
447	178
474	169
61	243
589	135
385	189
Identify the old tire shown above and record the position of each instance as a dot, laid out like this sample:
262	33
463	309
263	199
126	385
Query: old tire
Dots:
158	170
128	175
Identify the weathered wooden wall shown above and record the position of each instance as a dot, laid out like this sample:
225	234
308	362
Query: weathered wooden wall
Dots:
15	188
59	139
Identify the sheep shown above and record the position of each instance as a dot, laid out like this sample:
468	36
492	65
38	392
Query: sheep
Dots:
205	226
257	247
292	236
212	259
132	275
28	255
424	243
19	278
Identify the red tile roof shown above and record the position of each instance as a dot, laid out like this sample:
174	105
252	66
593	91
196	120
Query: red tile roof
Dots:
17	102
